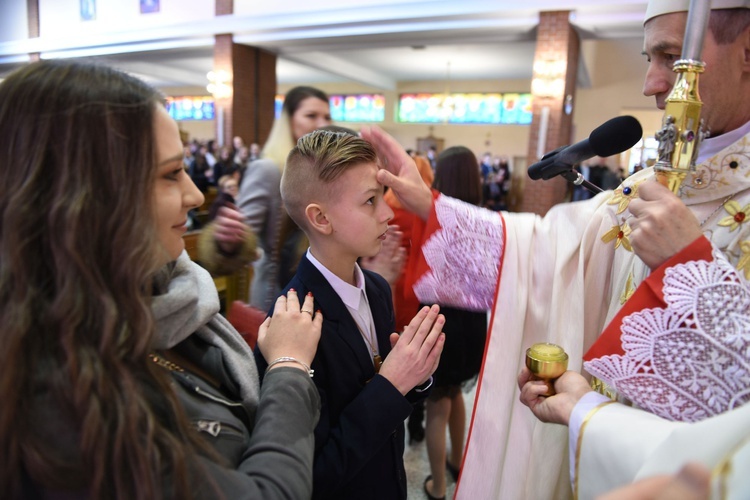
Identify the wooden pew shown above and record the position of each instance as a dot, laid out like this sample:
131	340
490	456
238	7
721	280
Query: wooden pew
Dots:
231	287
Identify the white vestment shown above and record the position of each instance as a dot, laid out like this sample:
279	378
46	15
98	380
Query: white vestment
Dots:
559	278
645	445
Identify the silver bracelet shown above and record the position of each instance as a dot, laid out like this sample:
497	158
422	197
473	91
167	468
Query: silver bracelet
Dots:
289	359
427	385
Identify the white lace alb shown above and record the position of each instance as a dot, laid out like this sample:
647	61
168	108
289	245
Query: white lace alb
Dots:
463	256
691	360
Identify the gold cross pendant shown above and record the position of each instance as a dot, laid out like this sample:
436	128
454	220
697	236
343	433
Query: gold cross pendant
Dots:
377	361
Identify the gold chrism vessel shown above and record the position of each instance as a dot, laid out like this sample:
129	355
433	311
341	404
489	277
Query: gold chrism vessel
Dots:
546	362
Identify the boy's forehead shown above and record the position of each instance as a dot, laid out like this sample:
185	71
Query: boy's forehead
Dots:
361	174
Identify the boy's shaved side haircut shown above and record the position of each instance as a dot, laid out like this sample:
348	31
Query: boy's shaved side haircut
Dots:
319	158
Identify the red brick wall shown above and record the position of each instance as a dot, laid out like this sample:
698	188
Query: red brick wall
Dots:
556	41
224	7
32	12
249	112
223	62
254	93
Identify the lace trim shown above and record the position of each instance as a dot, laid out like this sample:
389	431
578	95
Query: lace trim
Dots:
463	256
691	360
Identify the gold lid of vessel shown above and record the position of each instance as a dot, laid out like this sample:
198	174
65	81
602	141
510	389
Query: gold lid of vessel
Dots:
546	361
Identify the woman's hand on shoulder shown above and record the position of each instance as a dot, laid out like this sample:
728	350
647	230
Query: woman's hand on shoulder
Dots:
292	331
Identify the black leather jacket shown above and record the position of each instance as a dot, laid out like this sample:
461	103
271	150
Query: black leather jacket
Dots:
270	458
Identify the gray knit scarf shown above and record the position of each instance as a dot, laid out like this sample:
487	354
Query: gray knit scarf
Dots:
187	304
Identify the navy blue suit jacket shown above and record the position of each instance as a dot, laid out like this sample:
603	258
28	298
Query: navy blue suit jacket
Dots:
359	440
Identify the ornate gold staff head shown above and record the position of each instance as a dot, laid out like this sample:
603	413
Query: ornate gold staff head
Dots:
682	127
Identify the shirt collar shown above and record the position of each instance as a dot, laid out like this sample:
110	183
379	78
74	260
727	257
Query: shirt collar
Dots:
713	145
350	295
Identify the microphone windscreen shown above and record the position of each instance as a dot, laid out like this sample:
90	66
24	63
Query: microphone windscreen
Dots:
615	136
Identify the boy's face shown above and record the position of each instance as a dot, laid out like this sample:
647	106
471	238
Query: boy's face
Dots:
357	212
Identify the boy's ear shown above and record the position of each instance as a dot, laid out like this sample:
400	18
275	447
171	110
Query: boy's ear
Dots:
317	219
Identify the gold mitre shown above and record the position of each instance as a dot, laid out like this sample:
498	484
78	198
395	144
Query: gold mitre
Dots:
661	7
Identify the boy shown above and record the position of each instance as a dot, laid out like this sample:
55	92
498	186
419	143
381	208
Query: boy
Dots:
367	376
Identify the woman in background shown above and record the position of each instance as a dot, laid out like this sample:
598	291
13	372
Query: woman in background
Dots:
456	175
119	379
305	109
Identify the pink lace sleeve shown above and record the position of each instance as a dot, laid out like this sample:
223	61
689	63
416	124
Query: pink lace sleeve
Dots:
463	256
691	360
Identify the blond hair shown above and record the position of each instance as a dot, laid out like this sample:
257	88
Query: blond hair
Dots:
280	139
318	159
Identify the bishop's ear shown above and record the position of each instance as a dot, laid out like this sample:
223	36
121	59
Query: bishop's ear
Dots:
317	219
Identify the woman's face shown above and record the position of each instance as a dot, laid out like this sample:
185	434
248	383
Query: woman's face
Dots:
174	192
312	114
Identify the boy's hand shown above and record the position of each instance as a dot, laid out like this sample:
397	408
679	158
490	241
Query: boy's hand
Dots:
416	353
399	172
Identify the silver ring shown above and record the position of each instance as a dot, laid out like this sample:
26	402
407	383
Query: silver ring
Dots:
306	311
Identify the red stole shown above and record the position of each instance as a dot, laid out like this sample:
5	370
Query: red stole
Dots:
649	295
420	233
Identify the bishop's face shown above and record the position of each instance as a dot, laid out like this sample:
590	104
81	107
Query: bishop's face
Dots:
717	85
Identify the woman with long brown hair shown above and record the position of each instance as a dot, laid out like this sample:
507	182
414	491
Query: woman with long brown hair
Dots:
119	379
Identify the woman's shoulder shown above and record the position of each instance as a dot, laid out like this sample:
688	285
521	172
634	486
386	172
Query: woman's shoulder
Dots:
263	170
263	164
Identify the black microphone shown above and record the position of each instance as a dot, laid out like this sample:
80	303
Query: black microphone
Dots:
612	137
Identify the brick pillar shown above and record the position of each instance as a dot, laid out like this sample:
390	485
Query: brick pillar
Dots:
249	111
555	71
224	7
32	13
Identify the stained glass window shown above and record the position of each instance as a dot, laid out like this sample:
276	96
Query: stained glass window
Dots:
479	108
349	107
358	108
191	108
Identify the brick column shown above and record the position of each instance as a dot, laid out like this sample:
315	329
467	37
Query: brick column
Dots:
32	13
249	111
224	7
555	71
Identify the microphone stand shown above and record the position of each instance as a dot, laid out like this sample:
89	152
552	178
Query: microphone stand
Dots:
577	179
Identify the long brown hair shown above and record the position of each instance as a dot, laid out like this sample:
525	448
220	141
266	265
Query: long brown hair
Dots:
77	253
457	175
